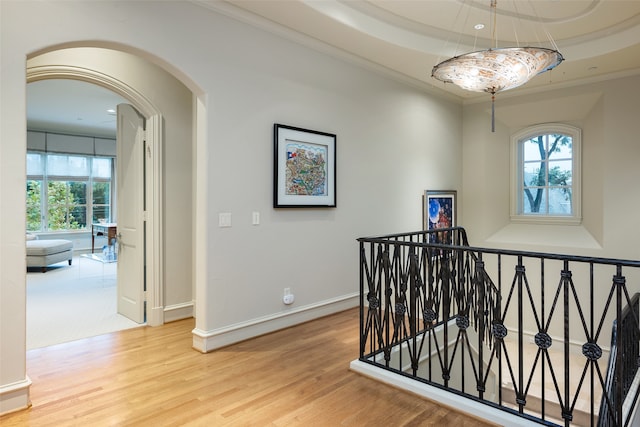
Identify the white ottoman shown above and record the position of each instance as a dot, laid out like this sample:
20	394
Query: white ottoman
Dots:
42	253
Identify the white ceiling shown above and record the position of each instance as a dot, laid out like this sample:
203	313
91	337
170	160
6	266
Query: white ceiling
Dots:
71	106
599	39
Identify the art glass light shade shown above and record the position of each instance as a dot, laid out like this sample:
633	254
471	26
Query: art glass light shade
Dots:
496	70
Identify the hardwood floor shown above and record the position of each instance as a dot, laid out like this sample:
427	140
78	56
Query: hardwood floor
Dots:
152	377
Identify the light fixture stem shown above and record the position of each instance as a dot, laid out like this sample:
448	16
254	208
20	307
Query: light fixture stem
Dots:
494	38
493	111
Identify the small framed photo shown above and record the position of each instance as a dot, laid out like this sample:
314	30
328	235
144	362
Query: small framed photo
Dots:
438	209
304	168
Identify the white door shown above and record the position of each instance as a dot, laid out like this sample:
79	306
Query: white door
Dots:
130	211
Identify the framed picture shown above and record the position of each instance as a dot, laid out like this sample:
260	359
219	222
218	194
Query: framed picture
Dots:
304	168
439	209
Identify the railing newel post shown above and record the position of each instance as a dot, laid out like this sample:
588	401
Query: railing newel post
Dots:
362	275
619	282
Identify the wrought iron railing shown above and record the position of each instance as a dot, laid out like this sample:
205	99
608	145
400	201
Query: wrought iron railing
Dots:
624	353
523	332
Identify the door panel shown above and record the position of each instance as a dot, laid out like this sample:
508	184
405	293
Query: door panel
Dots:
130	207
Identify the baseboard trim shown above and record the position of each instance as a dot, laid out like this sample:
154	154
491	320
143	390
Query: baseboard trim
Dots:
15	396
155	316
468	406
206	341
178	312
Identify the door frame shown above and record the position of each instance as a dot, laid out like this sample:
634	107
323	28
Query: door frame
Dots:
153	176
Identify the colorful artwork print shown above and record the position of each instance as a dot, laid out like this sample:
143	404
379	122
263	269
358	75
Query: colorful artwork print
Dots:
306	169
440	211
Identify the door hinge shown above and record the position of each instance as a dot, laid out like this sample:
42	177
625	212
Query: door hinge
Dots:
147	148
145	217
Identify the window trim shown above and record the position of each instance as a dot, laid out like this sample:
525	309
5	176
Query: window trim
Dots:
516	171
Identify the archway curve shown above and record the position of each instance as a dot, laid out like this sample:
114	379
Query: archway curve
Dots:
154	254
131	50
71	72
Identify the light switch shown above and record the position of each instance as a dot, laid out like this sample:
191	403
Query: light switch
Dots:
224	219
256	218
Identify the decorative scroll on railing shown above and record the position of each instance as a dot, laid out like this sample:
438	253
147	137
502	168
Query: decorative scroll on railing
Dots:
523	332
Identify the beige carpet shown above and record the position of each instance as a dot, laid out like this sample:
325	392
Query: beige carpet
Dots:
68	303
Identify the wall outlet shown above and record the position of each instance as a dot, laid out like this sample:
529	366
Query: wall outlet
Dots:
288	297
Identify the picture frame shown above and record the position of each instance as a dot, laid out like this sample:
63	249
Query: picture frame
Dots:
304	168
439	209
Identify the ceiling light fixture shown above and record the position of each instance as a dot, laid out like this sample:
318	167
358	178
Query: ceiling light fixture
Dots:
496	69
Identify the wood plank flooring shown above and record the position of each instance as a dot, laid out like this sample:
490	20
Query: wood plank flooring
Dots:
152	377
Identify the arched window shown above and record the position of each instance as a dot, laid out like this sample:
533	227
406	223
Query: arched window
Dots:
545	177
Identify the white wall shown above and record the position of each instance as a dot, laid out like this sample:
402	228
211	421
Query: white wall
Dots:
607	113
392	143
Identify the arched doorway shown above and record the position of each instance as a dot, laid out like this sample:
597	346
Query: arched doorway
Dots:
72	194
137	80
154	171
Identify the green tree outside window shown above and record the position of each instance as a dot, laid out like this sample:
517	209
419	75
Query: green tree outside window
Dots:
547	177
34	212
67	192
63	200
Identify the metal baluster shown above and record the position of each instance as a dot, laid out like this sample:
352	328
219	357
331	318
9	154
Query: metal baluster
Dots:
566	275
520	398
